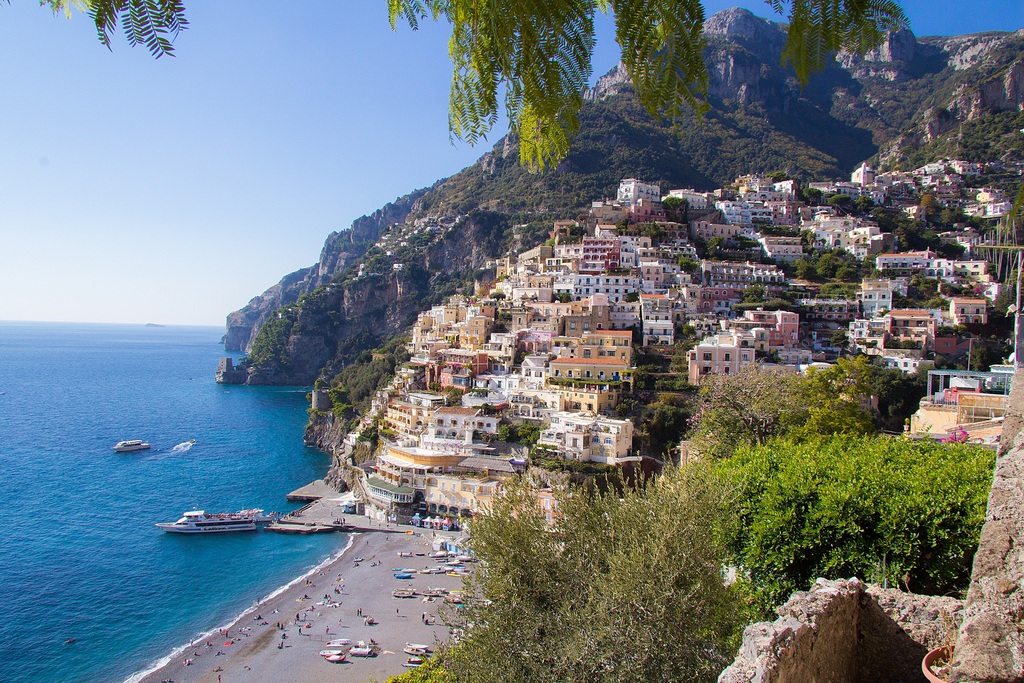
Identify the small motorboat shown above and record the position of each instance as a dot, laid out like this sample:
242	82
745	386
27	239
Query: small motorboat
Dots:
404	553
357	559
403	593
330	651
416	650
338	642
361	652
336	659
413	662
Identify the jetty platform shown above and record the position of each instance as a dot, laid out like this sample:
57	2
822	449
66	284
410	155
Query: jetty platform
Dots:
321	514
315	490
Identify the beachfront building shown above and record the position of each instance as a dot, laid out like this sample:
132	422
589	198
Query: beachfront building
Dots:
588	438
439	478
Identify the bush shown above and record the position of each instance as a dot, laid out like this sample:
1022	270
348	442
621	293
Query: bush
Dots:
873	507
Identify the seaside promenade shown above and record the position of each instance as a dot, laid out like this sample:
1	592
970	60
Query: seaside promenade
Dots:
278	640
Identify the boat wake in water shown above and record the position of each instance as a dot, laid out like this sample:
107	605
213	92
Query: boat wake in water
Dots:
183	446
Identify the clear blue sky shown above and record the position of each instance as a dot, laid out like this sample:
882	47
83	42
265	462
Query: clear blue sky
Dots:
173	191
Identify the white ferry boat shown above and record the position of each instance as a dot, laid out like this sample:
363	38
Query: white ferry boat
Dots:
201	522
130	445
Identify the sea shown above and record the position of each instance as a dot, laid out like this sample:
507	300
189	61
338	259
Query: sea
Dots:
80	559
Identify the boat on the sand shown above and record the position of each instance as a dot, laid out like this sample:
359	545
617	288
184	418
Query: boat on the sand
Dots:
336	659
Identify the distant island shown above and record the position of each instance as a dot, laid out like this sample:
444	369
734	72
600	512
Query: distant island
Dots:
154	325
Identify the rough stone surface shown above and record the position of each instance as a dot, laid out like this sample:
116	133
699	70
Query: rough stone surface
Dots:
845	632
990	646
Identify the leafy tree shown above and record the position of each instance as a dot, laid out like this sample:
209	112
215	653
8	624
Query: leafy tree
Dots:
898	395
878	508
835	400
840	339
841	202
811	195
754	294
629	574
749	407
863	204
453	395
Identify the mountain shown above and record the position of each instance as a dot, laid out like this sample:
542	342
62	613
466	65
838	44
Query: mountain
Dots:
907	102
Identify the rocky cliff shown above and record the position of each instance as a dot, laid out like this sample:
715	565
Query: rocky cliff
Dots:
340	250
327	327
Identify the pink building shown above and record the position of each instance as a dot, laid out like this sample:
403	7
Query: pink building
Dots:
783	327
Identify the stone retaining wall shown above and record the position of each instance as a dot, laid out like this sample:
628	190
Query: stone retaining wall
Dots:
844	632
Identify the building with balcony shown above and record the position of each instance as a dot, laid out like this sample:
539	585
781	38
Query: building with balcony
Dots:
589	438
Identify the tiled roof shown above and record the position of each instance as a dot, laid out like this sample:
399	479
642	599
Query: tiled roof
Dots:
457	410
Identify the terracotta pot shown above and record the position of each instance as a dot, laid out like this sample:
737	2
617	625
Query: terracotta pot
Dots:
939	656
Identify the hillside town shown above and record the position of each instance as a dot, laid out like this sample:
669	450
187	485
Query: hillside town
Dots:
766	272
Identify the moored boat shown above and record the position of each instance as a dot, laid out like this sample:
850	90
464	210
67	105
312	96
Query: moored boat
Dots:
201	522
336	659
130	445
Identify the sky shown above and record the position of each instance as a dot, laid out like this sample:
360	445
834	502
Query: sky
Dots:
172	191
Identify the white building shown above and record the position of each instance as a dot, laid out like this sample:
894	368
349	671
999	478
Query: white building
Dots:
695	200
875	296
589	438
786	249
632	191
458	424
864	175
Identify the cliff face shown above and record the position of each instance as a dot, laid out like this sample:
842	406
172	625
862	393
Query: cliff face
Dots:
339	251
329	325
325	433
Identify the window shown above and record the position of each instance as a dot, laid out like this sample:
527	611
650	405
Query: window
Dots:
728	356
707	356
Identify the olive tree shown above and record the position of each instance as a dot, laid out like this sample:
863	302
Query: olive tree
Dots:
626	587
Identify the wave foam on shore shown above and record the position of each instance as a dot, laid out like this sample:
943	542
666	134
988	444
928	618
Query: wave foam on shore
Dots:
178	651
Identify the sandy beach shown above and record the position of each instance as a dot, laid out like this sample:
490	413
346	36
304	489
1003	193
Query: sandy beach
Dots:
279	640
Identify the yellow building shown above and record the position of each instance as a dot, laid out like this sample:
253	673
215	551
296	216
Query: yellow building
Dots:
594	385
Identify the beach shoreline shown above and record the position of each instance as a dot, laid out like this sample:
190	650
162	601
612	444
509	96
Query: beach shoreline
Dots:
279	636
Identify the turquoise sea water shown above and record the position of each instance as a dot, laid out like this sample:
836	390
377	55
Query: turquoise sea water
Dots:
79	555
